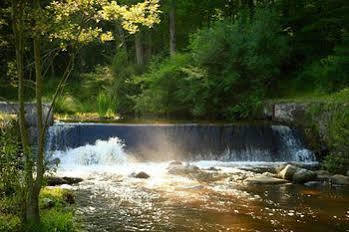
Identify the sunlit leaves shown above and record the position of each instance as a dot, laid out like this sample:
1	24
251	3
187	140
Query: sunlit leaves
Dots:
79	20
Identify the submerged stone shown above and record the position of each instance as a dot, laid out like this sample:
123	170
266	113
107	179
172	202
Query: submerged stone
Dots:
314	184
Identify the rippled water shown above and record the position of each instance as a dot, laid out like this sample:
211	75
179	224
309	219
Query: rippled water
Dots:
109	199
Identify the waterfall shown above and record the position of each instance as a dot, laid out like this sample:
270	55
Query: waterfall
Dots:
89	143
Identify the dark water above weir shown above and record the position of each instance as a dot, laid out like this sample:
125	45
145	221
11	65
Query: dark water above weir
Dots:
268	143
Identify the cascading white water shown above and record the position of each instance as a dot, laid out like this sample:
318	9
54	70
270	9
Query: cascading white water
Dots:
109	152
293	146
103	144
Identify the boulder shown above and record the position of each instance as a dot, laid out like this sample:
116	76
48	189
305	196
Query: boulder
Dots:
269	174
340	180
140	175
303	175
265	180
288	172
323	175
322	172
280	167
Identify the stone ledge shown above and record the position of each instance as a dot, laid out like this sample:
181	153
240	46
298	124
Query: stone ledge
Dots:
30	112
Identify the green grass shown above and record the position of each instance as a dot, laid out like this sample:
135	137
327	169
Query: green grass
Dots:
341	96
59	218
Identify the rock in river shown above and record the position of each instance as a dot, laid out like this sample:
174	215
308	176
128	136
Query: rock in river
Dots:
54	180
265	180
140	175
303	175
288	172
340	179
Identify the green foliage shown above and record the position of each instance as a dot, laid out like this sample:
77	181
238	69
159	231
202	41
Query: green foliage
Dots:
10	157
160	85
336	163
123	86
225	73
10	223
60	217
57	221
105	104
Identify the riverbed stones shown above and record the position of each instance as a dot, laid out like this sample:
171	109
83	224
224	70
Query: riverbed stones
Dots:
340	180
288	172
303	175
265	180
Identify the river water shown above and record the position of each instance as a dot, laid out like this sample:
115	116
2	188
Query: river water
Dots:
214	197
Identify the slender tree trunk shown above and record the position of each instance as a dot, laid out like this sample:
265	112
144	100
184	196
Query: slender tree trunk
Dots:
172	25
148	47
18	28
139	49
40	127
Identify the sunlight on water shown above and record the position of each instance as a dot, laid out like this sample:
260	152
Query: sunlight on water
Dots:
211	197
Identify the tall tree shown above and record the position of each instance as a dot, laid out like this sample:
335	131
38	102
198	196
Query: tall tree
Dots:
70	24
172	27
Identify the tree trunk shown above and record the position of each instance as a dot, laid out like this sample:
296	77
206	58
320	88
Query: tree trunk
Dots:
148	47
18	28
172	25
139	49
40	127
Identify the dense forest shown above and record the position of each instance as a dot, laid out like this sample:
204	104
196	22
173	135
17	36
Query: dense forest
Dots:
190	60
204	59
